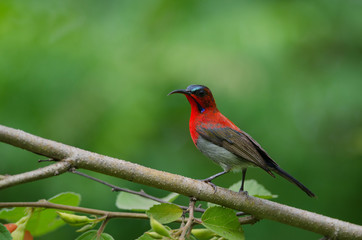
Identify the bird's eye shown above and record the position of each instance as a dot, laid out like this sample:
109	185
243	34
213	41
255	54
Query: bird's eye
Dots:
200	93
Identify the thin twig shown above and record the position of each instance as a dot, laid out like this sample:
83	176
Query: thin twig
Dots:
47	160
186	230
241	214
102	227
140	193
248	220
119	189
328	238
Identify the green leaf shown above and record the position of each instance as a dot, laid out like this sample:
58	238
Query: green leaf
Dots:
254	189
192	237
133	202
75	220
43	220
12	214
203	233
224	222
159	228
209	205
171	197
87	227
4	233
165	212
145	236
92	235
66	198
106	236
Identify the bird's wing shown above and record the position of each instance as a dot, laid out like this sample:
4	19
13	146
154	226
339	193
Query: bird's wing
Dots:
239	143
262	152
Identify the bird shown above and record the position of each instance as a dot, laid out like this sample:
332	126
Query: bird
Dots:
223	142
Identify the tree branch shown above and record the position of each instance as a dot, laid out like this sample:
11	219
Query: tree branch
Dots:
46	204
40	173
259	208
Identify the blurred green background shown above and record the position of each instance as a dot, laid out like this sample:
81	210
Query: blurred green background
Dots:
95	75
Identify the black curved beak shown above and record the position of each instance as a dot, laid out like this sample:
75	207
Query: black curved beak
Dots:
179	91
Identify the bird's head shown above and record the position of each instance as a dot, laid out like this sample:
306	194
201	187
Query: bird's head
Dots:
199	96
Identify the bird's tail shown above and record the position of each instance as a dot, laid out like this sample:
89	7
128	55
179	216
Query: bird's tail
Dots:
291	179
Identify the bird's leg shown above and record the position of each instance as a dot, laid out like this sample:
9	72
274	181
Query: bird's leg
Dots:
209	179
243	180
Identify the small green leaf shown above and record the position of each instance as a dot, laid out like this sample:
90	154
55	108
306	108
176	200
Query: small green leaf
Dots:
106	236
203	233
87	227
254	189
165	212
154	235
133	202
145	236
159	228
92	235
209	205
12	214
66	198
192	237
75	220
4	233
171	197
224	222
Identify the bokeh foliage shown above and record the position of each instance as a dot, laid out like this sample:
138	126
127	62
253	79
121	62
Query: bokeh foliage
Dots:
95	74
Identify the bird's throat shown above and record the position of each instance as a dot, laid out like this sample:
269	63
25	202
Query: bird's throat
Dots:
195	105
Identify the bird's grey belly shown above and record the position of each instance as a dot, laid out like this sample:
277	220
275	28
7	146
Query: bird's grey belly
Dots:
226	159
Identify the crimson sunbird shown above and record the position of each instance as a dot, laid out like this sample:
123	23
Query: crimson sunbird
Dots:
223	142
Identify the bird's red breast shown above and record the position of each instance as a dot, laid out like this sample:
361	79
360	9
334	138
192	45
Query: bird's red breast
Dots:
209	119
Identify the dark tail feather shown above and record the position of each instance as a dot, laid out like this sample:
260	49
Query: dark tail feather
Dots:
291	179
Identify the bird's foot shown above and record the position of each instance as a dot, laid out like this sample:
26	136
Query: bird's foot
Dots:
212	185
245	192
208	181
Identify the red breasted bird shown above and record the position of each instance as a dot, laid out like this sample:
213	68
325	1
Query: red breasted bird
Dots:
223	142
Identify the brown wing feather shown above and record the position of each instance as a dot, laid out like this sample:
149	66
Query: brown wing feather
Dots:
262	152
236	142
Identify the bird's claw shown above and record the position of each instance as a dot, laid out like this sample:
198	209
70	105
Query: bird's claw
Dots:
245	192
210	183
